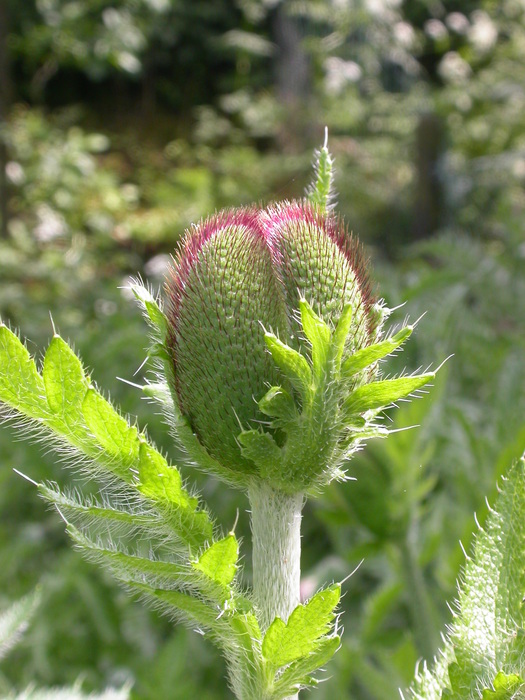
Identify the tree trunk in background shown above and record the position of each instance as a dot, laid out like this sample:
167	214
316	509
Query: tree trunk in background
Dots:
428	204
293	79
5	102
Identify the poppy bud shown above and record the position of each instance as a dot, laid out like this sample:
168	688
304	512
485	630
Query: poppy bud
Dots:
266	308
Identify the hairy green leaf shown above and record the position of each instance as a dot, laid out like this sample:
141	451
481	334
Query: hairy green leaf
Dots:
486	638
286	642
504	687
367	356
318	334
21	387
261	448
381	394
219	561
297	674
66	384
119	440
341	334
277	403
14	621
292	363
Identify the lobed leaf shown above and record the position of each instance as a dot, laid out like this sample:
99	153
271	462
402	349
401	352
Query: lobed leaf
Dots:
505	687
261	448
286	642
219	561
297	674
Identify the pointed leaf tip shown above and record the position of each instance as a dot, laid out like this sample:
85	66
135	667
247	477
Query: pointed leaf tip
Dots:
381	394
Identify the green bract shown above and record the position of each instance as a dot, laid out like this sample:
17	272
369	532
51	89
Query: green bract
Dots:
272	344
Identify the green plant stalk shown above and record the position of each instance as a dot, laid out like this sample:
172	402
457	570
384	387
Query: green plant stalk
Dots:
276	553
419	601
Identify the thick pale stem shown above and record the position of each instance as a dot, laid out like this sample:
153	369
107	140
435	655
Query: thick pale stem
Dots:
276	554
276	530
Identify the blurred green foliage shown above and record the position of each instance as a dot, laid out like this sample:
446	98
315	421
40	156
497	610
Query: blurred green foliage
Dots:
129	120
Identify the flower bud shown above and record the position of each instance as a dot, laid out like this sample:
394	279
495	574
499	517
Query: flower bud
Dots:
267	310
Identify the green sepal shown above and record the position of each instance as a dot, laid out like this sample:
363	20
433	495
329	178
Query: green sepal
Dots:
154	313
261	448
505	687
277	403
297	674
340	335
292	364
286	642
219	561
318	334
367	356
381	394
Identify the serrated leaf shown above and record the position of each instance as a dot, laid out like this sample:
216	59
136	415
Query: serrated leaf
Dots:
20	384
286	642
297	674
200	612
219	561
158	480
89	511
162	483
65	382
119	440
367	356
125	565
381	394
318	334
291	363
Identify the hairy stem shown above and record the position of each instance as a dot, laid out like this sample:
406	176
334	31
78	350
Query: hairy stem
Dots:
276	554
